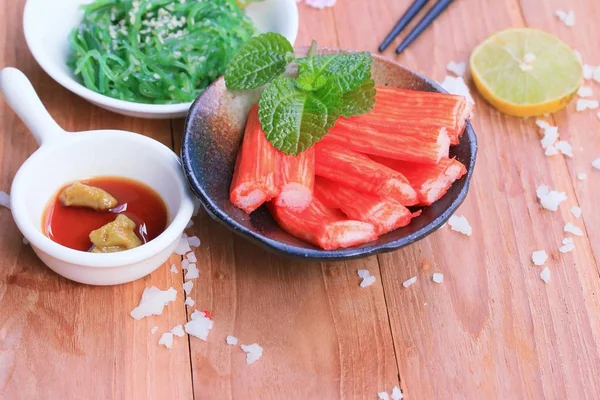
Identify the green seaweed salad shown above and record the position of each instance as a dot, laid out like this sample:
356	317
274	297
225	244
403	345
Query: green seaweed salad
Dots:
156	51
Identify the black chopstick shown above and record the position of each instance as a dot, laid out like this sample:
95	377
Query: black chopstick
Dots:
413	10
431	15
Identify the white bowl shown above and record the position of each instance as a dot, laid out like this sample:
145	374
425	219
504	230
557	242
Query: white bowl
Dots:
64	157
48	23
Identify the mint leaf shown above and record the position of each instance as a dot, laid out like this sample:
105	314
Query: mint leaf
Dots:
359	100
347	71
293	119
258	61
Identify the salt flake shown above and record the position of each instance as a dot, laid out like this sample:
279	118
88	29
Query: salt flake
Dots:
187	287
586	104
545	275
576	211
154	330
189	302
231	340
166	339
566	247
397	393
200	325
596	163
539	257
174	268
564	147
368	281
582	176
550	199
588	72
192	272
438	277
409	282
191	257
460	224
585	91
457	68
253	352
153	302
194	241
4	199
570	228
178	331
383	396
457	85
183	246
363	273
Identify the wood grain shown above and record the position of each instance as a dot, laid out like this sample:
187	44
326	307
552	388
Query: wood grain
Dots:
493	329
59	339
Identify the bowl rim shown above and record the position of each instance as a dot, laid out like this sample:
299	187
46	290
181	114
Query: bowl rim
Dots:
79	89
315	253
37	239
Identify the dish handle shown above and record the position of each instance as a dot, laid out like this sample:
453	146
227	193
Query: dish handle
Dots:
22	98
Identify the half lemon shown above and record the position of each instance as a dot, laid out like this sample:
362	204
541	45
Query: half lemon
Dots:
525	72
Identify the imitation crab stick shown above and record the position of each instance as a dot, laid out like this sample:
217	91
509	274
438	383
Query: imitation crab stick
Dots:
417	143
407	107
431	181
323	226
254	180
386	214
359	172
296	177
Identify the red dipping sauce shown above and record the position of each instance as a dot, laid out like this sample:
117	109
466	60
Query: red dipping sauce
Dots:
71	226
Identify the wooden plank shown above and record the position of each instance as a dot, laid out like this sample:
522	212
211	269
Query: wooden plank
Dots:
323	336
59	339
492	329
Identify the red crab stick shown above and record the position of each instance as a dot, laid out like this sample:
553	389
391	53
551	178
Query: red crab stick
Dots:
254	180
407	107
296	176
431	181
359	172
323	226
397	140
385	214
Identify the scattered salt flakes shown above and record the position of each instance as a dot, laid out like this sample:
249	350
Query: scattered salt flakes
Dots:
457	68
545	275
457	85
576	211
542	124
4	199
397	393
383	396
586	104
320	4
192	272
567	240
588	72
582	176
154	330
596	74
584	91
178	331
253	352
438	277
566	247
539	257
550	151
460	224
409	282
153	302
568	18
363	273
166	339
550	199
174	269
564	147
187	287
183	246
194	241
596	163
231	340
200	325
189	302
578	56
185	264
570	228
191	257
550	136
189	224
368	281
25	241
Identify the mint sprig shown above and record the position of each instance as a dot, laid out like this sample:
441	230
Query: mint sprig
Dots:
262	59
296	112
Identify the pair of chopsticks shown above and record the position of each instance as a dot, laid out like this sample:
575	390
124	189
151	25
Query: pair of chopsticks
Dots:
408	16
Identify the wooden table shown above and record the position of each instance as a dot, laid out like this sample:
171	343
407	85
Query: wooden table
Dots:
493	329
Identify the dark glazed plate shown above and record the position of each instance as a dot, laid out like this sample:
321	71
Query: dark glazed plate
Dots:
213	132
